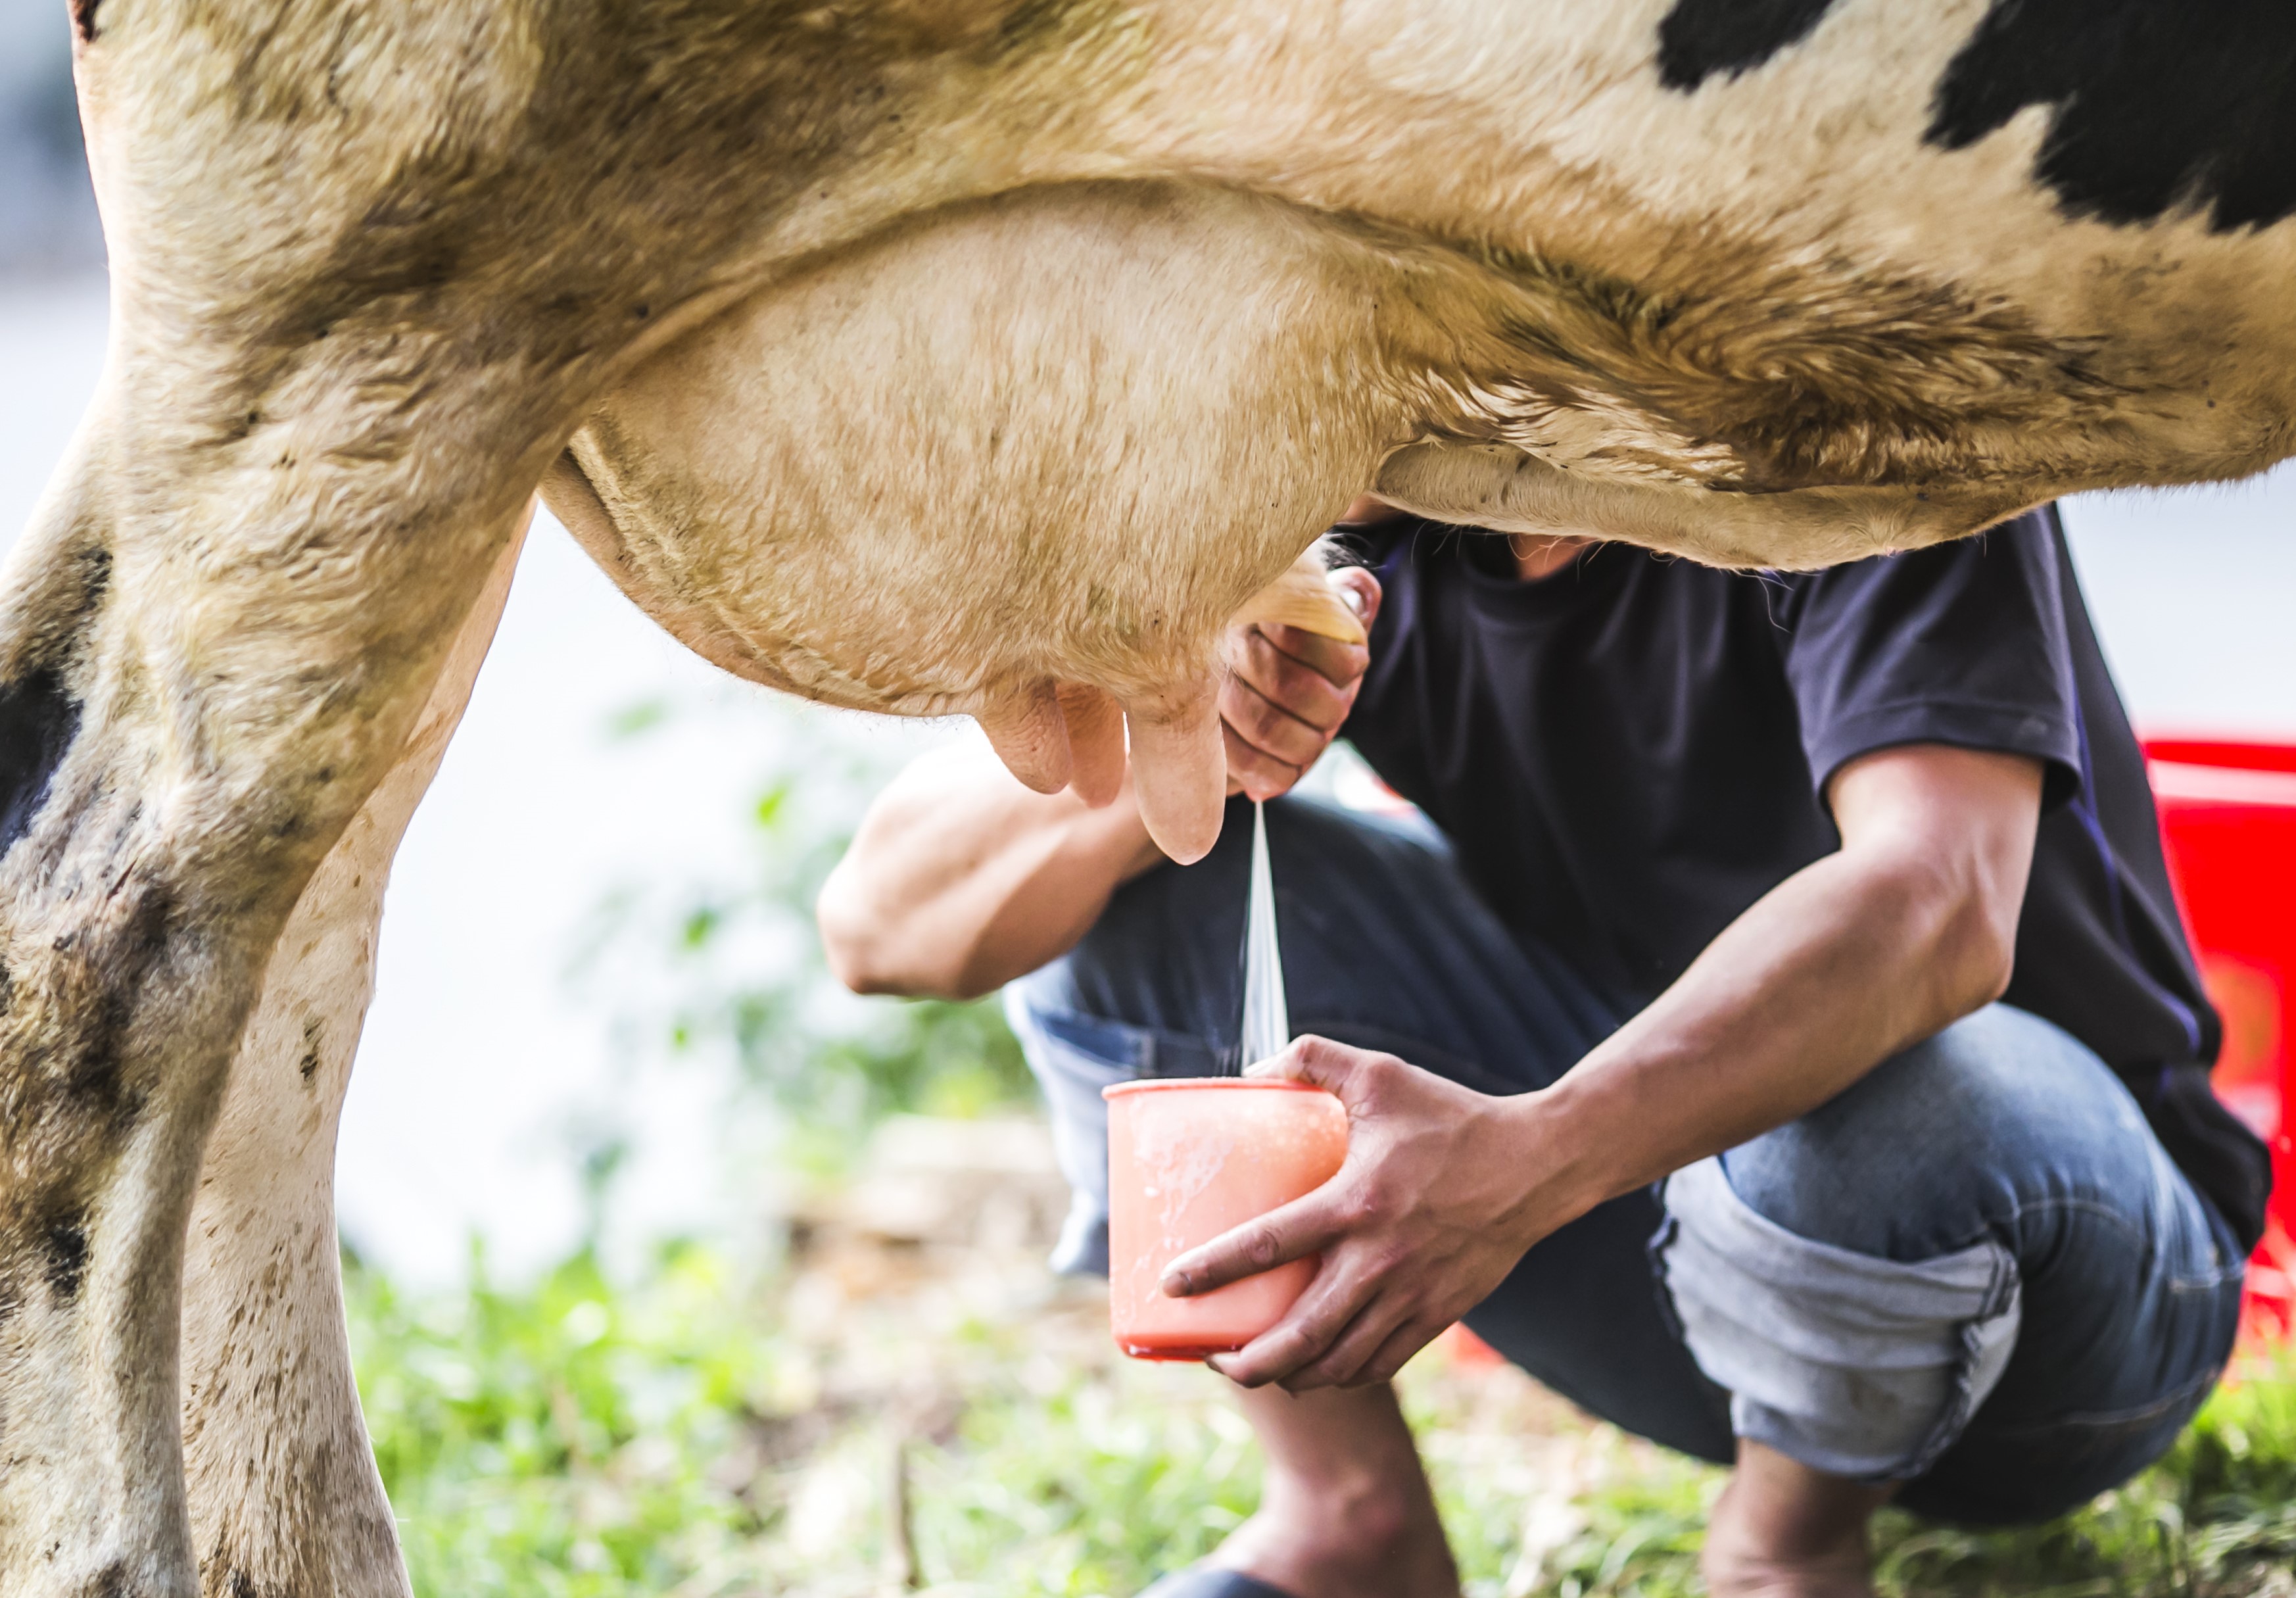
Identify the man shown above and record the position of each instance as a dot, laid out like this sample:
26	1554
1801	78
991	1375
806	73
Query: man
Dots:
1787	1050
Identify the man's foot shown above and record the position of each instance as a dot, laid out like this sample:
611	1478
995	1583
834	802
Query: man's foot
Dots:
1346	1512
1360	1543
1784	1531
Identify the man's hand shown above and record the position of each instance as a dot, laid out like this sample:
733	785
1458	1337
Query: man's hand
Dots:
1910	926
961	879
1287	691
1443	1191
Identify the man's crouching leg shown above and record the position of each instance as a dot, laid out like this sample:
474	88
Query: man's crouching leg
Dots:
1974	1278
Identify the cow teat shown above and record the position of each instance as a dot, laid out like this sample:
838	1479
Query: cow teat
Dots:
1179	771
1073	735
1051	735
1029	733
1095	731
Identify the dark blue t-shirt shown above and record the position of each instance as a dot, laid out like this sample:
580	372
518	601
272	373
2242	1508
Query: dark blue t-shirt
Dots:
1630	752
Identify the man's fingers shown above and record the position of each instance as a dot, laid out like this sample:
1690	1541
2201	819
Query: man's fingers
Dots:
1268	728
1288	692
1397	1352
1281	711
1337	1365
1254	771
1347	1365
1323	1314
1317	686
1295	1230
1337	1068
1358	1342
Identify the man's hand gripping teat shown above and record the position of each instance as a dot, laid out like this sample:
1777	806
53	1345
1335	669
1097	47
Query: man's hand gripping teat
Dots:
961	878
1292	676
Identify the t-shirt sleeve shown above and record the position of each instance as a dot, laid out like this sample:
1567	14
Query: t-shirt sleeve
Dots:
1962	643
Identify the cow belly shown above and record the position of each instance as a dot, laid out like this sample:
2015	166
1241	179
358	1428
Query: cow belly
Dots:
1064	435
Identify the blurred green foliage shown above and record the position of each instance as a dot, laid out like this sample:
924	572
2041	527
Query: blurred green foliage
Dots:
559	1440
730	972
579	1439
675	1433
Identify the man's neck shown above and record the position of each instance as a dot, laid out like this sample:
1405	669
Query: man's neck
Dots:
1536	555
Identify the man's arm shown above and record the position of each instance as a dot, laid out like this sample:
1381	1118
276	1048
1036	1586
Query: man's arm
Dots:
1910	926
960	879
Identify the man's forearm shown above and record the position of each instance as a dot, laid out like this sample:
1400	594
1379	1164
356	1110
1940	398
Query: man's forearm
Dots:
960	879
1838	968
1909	927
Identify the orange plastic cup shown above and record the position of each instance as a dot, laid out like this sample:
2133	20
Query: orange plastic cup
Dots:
1188	1159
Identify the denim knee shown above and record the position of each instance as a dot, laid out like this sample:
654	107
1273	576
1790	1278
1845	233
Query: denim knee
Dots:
1956	1138
1853	1277
1073	1057
1859	1278
1854	1365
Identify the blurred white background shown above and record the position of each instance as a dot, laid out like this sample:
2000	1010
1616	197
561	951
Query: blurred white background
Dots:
487	1061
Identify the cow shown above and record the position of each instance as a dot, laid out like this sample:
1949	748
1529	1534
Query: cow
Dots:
930	356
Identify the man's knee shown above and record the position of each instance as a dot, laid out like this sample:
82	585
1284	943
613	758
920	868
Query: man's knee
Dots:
1852	1276
1853	1364
1945	1142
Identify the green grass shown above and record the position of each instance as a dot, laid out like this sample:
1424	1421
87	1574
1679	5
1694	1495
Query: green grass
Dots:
695	1433
559	1440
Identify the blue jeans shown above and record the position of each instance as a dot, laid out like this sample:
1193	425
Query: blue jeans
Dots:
1975	1272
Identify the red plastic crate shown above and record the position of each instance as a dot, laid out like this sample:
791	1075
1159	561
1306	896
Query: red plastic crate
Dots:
2228	819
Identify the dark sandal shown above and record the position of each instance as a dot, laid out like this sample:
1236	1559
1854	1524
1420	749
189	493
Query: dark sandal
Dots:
1198	1581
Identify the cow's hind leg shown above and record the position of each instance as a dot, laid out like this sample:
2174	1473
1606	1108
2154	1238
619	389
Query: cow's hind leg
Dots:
205	671
284	1494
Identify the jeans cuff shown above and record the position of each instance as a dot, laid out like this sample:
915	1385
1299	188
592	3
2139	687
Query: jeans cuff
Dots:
1082	1249
1073	1057
1856	1365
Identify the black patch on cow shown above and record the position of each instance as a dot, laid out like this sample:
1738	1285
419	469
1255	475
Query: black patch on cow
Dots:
39	721
241	1584
101	1073
93	1071
63	1244
2156	105
1701	37
83	16
94	582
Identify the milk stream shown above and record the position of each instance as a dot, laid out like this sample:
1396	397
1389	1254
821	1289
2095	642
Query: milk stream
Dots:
1266	1023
